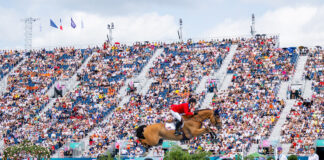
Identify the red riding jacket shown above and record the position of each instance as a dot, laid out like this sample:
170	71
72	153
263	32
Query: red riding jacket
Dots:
182	108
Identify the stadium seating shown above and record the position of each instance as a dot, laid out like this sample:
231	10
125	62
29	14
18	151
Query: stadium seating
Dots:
26	94
249	106
177	73
305	124
8	60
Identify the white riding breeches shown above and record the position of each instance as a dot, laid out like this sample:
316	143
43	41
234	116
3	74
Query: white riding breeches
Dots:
176	115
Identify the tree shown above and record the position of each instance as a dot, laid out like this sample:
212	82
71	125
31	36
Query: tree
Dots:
176	153
106	157
254	155
26	149
292	157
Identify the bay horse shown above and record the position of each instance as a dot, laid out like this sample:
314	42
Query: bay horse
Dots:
154	134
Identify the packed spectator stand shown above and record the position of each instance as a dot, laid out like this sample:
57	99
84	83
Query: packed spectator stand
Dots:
8	60
250	107
26	96
176	72
305	124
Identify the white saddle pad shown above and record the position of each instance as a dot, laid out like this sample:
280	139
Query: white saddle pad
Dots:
170	126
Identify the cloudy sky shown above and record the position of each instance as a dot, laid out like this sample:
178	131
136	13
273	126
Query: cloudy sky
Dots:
299	22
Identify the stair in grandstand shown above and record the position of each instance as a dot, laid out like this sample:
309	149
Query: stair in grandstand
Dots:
285	148
122	94
222	87
300	68
223	69
207	100
141	82
226	82
307	94
140	79
4	81
282	94
275	134
150	64
202	85
70	84
3	87
221	75
146	87
253	149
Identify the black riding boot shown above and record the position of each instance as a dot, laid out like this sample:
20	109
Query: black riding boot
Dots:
178	125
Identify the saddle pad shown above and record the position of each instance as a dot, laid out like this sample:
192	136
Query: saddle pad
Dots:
170	126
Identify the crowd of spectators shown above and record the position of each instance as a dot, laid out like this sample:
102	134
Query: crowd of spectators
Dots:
305	124
8	60
176	72
249	106
79	111
26	96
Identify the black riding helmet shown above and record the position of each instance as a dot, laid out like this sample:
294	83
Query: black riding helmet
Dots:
192	100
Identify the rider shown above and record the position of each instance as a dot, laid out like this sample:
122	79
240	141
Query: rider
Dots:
185	108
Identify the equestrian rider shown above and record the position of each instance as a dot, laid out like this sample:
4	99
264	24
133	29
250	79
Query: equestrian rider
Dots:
185	108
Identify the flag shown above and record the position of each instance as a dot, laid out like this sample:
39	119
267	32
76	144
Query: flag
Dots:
82	26
53	24
73	25
61	27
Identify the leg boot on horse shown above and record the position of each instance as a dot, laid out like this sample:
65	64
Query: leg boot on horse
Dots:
178	127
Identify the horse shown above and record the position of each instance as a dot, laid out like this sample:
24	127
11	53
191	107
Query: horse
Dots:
153	135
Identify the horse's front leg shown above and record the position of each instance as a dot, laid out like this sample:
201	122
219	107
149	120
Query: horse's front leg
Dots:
211	133
199	131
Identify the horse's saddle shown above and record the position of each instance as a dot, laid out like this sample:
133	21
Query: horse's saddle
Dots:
170	126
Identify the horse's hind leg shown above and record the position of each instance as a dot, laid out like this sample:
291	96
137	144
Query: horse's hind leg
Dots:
145	143
160	141
152	140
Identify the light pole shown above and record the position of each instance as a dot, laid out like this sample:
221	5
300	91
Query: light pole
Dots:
110	27
29	32
253	26
180	30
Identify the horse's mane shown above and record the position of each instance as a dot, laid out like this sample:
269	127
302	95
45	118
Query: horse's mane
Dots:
196	112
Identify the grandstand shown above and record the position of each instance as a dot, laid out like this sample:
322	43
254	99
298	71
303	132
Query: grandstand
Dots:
109	92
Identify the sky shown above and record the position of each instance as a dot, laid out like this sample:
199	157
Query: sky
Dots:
298	22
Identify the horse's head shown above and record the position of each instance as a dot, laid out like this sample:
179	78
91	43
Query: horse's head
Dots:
215	119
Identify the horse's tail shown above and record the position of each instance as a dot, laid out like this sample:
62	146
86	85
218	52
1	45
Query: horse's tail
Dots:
139	132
